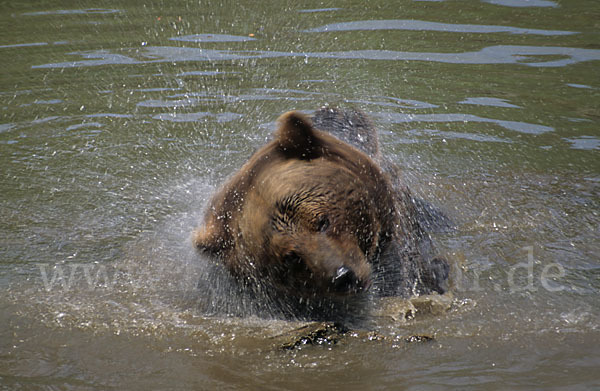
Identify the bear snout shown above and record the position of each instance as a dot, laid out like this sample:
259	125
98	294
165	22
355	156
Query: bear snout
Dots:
345	281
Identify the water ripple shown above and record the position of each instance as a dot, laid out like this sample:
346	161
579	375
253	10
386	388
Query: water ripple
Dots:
523	3
203	73
589	143
487	101
173	104
522	127
109	115
6	127
457	135
535	56
312	10
396	102
421	25
74	12
513	3
48	101
85	125
192	117
579	86
23	45
191	99
501	54
212	38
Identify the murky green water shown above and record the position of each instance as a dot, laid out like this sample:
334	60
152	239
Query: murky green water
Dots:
118	122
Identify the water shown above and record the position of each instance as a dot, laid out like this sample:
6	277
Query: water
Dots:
118	122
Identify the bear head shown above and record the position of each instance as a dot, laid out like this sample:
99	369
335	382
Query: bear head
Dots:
306	216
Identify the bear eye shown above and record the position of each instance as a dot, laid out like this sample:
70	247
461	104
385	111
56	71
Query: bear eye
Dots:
292	258
322	223
293	264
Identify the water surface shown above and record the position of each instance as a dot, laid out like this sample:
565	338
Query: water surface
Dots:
119	121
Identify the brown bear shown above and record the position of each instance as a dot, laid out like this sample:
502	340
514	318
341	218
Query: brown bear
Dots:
310	217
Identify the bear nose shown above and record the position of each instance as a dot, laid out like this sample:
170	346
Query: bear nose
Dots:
345	280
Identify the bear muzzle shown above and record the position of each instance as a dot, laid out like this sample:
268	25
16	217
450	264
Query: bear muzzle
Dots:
345	282
313	263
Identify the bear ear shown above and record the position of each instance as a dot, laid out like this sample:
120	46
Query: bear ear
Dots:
296	136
